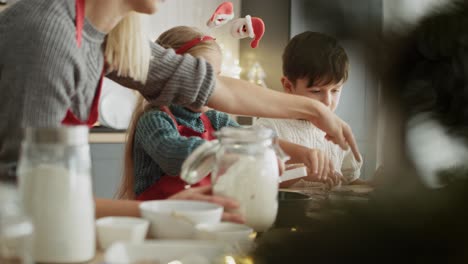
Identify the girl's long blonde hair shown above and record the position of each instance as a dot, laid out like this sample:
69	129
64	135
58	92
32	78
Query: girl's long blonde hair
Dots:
128	50
173	38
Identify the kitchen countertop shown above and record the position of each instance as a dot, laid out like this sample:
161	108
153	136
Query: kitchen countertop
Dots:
101	134
107	137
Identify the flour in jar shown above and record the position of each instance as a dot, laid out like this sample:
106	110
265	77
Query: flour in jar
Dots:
62	210
253	182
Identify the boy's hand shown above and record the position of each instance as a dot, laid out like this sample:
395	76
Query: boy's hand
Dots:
334	179
319	166
205	194
281	166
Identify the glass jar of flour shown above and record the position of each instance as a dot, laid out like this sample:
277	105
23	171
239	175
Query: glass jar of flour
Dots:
55	184
244	165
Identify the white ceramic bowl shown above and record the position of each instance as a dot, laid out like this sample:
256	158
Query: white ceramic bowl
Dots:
176	219
164	251
113	229
239	237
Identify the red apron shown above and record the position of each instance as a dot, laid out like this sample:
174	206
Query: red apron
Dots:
70	118
169	185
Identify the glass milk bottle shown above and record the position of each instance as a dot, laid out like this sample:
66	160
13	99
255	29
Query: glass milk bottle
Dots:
55	183
244	166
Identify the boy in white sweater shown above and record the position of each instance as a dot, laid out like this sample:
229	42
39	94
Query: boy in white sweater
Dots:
315	66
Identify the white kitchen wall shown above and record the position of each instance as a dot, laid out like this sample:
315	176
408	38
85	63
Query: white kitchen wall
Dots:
194	13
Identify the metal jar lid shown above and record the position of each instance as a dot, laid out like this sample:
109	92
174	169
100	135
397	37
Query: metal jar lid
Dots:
65	135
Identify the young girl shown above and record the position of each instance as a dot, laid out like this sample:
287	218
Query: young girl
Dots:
161	138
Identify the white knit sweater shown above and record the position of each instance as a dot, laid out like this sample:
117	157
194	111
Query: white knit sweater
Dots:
306	134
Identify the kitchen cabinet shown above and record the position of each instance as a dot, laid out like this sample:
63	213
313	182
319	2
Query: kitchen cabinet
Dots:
107	162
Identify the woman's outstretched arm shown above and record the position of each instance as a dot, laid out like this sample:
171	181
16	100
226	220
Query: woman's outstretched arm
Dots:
244	98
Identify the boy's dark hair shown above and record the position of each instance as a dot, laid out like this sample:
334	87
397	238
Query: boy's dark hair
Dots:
316	56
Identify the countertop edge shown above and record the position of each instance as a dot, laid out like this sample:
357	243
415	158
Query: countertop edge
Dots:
107	138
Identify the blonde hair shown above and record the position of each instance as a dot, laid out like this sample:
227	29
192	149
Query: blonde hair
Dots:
126	186
127	49
173	38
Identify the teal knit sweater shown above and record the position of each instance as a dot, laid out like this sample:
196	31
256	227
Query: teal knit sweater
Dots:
159	149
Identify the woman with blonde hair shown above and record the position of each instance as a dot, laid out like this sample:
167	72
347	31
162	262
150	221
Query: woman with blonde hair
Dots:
56	52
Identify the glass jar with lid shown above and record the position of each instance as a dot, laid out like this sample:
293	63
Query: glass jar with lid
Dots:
244	165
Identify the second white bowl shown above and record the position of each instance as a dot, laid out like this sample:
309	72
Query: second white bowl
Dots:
176	219
113	229
238	237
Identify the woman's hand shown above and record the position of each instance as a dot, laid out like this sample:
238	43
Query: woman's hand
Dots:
243	98
338	132
205	194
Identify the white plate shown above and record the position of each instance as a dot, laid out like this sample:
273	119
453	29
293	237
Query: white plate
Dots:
164	251
116	105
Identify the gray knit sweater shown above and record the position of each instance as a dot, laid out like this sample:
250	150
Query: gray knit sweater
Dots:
43	72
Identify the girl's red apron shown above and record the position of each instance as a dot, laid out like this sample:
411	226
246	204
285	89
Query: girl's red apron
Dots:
70	118
169	185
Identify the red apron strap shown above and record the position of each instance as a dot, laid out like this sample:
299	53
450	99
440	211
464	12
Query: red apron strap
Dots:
209	129
70	118
207	134
79	20
166	110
